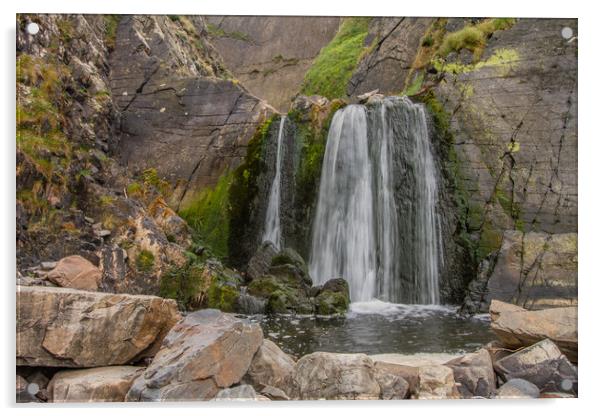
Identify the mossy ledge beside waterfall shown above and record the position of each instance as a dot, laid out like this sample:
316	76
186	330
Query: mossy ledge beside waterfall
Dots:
386	245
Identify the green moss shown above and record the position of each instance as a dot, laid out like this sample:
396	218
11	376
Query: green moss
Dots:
145	261
313	145
415	86
218	32
208	215
244	188
336	62
504	60
329	303
222	297
473	37
490	240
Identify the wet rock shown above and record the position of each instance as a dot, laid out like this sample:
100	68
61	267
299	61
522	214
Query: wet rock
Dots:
541	364
204	352
270	366
333	297
58	327
474	373
517	388
77	273
517	327
323	375
239	393
436	382
261	261
535	270
294	261
103	384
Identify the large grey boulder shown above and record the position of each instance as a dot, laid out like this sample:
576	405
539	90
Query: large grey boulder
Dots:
103	384
541	364
517	327
261	261
59	327
206	351
270	366
474	374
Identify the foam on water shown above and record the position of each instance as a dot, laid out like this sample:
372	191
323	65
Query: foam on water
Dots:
378	307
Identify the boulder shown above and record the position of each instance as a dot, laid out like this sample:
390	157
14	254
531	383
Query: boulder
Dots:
240	393
75	272
103	384
408	373
333	297
436	382
261	261
392	385
517	327
274	393
270	366
517	388
474	374
330	376
541	364
60	327
204	352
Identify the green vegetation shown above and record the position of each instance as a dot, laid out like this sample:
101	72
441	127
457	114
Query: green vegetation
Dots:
65	29
312	137
473	37
503	59
145	261
218	32
111	23
415	87
329	303
336	62
201	285
208	215
41	144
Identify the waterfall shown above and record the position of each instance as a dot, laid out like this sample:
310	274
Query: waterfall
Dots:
376	222
272	231
343	242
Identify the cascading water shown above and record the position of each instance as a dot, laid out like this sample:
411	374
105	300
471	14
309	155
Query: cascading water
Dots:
376	222
272	231
343	231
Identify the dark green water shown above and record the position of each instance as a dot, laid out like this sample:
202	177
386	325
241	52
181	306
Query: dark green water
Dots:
379	328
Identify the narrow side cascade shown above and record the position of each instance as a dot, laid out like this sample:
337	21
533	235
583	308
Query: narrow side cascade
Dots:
376	222
272	231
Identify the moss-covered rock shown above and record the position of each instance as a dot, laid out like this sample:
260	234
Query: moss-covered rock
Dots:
202	285
333	297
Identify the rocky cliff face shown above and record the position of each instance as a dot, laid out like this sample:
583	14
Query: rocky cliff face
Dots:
271	54
177	101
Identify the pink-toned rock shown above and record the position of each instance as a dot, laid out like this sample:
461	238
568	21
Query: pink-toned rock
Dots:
103	384
75	272
59	327
270	366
